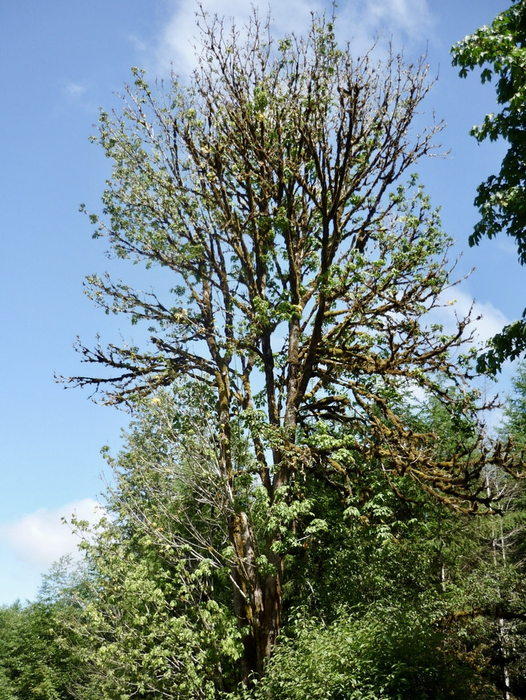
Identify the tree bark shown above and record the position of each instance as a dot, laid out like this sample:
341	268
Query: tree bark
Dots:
257	599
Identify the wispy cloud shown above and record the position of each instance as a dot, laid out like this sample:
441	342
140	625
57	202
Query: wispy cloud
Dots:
456	303
75	89
139	44
178	39
507	246
361	21
487	320
406	20
41	538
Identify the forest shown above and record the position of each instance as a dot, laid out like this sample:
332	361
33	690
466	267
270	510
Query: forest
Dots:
309	502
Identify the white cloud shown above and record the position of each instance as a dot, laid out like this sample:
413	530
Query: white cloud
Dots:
41	538
411	18
406	21
487	319
177	42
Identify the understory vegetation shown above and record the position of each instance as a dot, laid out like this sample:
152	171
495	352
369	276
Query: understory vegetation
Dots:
390	595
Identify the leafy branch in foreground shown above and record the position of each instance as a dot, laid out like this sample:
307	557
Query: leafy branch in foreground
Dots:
499	50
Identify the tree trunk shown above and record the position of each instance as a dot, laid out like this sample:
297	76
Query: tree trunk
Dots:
257	599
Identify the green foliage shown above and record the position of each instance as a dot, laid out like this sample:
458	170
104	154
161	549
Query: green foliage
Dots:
515	408
388	594
285	520
385	654
34	664
153	628
157	615
500	51
514	428
509	344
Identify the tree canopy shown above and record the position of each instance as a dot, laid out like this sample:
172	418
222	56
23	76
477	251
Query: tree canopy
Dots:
277	187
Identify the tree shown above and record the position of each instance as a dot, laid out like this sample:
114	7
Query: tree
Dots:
500	50
157	617
303	274
34	663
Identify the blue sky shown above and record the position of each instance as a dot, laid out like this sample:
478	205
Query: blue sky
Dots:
60	61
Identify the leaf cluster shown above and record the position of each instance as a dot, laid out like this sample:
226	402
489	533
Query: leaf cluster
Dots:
499	51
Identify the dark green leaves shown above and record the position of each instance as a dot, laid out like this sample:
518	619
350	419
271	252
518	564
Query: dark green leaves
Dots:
500	50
